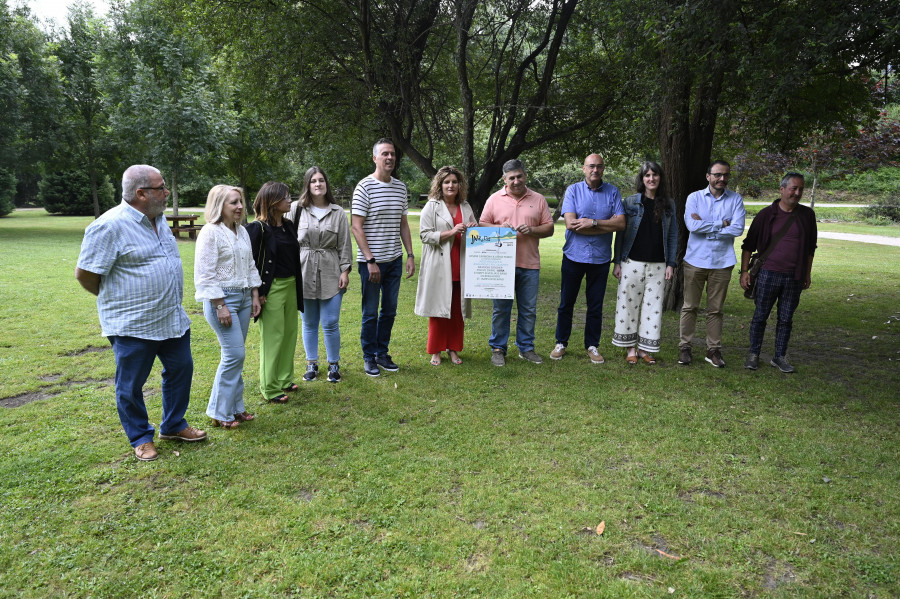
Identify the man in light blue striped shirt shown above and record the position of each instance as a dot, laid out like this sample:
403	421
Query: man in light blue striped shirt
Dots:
129	259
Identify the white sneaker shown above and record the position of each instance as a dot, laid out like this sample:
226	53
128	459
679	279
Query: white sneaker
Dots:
558	352
594	355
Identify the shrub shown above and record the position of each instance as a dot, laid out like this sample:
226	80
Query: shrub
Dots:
7	192
884	180
69	193
887	208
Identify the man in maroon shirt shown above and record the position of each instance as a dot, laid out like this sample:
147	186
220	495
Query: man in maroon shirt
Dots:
786	271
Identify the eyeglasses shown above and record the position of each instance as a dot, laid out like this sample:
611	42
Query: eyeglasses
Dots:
160	188
719	175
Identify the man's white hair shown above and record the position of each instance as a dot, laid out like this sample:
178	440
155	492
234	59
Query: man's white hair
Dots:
136	177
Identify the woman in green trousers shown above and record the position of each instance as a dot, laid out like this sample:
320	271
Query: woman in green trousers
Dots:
277	256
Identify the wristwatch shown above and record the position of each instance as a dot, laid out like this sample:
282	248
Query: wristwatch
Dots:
371	260
595	223
219	307
410	255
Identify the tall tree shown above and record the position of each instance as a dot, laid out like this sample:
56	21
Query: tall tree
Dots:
756	69
171	107
30	94
87	117
519	70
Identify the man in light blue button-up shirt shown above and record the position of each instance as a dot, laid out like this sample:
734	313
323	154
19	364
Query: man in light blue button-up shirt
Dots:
129	259
714	217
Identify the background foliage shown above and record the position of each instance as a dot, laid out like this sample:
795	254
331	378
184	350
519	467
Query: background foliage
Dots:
243	92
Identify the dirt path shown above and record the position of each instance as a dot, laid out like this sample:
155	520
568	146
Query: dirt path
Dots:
879	239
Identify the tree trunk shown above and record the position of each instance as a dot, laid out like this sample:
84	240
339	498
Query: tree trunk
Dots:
174	192
815	170
685	141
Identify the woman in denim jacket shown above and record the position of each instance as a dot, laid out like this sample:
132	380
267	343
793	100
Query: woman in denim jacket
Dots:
644	258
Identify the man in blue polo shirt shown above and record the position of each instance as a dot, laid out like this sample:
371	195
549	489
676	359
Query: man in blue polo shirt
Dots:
129	259
593	211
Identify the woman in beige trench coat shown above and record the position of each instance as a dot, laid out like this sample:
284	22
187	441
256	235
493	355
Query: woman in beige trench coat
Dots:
442	228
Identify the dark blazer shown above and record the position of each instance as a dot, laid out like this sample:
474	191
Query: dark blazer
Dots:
265	249
761	233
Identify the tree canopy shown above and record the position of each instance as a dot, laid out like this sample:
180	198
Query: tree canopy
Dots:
216	90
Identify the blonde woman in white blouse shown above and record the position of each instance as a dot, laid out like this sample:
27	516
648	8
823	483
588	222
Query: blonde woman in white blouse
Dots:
227	282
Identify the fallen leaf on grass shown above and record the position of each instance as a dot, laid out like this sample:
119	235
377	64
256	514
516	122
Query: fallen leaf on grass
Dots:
177	453
601	527
802	534
671	590
664	554
395	385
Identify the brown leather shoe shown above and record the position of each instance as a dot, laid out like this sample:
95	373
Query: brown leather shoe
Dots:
146	452
187	434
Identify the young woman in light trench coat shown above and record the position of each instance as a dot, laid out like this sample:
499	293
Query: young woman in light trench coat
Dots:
442	228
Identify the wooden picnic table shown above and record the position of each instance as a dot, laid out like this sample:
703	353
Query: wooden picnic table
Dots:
188	225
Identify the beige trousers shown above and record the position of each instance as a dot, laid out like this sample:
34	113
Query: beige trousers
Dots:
716	281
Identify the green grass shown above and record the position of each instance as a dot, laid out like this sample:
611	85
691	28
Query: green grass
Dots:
468	481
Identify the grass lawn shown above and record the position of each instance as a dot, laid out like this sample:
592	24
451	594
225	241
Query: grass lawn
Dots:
469	481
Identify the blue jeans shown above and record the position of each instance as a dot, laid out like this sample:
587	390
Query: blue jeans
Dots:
595	291
527	283
772	286
375	335
227	396
327	311
134	359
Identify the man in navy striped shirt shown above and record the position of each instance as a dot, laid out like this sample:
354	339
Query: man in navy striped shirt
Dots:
129	259
379	224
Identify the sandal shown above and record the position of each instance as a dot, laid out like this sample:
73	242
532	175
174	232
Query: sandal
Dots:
631	359
226	423
436	360
647	358
279	399
291	388
454	357
244	416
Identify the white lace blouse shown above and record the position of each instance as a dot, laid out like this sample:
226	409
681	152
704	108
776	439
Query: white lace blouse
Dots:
223	259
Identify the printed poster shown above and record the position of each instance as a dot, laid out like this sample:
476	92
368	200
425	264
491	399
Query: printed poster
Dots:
490	262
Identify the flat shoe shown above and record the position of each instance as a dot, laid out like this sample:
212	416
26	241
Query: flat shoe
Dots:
226	423
244	416
648	359
631	359
279	399
291	388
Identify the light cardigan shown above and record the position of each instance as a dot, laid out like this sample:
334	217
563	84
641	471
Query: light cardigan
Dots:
435	287
223	259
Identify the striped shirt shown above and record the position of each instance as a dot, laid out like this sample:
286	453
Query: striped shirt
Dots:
141	278
383	205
